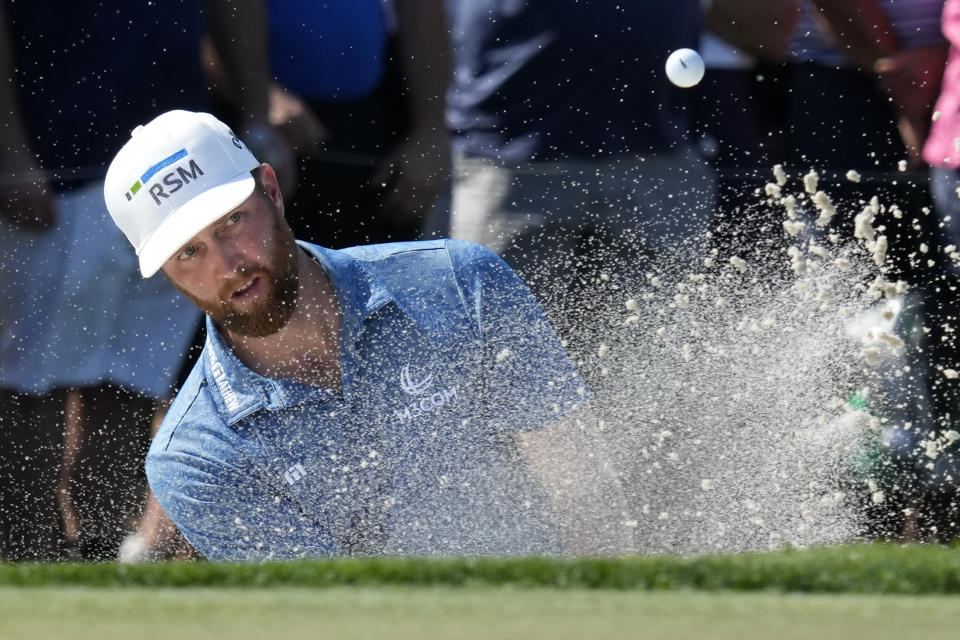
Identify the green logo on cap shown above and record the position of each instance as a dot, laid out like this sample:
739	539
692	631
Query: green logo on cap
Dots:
149	173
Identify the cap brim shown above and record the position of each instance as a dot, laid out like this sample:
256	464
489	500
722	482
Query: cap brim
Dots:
191	219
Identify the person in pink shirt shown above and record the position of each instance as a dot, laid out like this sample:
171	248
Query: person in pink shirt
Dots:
941	150
932	486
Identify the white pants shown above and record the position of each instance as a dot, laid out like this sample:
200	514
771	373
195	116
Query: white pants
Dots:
77	312
654	207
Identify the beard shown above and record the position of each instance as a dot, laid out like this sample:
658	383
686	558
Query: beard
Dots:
272	312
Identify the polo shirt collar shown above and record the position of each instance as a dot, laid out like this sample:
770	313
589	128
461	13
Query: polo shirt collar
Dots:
238	391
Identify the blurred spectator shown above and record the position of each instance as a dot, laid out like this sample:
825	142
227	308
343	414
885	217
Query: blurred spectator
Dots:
897	49
572	152
863	78
941	150
934	505
738	109
371	141
29	518
77	315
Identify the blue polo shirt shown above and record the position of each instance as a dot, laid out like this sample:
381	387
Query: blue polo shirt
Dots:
444	355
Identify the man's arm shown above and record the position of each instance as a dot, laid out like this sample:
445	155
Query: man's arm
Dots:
238	35
237	30
586	493
859	28
761	29
230	515
416	170
535	393
25	198
911	77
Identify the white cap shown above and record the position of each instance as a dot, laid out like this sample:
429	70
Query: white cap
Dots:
175	176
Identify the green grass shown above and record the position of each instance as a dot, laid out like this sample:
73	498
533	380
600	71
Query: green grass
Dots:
873	592
869	569
501	613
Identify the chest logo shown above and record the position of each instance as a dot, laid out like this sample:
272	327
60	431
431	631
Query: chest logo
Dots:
427	401
414	388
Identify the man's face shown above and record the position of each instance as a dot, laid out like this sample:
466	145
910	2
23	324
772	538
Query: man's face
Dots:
242	269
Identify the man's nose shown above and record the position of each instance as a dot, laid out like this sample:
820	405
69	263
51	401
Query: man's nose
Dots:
228	260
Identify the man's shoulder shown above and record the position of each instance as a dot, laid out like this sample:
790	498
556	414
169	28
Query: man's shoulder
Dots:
455	254
417	265
412	250
437	283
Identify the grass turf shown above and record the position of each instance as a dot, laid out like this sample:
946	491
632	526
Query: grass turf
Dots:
503	613
865	569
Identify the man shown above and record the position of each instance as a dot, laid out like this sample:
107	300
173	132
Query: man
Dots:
380	399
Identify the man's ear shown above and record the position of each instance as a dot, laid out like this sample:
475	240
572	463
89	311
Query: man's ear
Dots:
271	186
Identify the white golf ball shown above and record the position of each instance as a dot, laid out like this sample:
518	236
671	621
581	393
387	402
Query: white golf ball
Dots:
685	67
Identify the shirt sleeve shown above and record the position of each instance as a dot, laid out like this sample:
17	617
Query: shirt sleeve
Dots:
229	514
530	381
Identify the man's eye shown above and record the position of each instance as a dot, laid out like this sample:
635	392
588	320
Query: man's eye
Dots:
187	252
235	218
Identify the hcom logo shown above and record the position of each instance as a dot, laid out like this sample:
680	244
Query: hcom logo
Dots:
427	401
411	387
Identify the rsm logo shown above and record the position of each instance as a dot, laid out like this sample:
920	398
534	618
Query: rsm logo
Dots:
174	181
171	181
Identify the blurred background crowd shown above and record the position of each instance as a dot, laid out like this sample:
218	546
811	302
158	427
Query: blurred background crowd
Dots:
544	129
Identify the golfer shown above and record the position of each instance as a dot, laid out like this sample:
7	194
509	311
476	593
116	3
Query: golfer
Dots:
387	399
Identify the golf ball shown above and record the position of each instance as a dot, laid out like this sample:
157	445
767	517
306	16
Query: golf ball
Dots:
685	67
